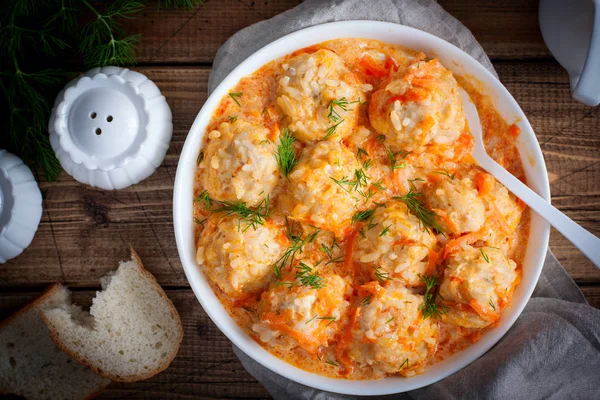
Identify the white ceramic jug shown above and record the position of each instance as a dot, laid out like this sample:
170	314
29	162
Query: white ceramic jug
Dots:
571	30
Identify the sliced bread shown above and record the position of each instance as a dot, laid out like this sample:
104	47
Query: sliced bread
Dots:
32	366
132	331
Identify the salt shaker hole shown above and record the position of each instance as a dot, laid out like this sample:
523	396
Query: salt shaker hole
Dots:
93	115
109	118
98	131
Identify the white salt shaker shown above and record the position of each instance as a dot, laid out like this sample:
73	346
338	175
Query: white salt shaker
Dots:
20	206
110	128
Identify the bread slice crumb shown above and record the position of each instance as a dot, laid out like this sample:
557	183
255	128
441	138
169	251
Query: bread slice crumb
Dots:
132	331
32	366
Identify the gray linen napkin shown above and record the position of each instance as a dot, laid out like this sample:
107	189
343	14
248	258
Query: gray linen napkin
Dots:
553	349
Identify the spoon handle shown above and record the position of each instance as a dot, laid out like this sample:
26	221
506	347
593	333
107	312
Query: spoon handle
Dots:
581	238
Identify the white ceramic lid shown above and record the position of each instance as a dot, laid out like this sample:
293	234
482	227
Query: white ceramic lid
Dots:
110	128
20	206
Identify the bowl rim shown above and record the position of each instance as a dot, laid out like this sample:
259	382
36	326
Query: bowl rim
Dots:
184	225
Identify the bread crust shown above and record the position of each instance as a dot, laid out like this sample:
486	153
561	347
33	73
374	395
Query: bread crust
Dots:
107	374
33	303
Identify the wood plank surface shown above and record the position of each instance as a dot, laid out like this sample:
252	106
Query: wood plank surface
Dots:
84	231
506	29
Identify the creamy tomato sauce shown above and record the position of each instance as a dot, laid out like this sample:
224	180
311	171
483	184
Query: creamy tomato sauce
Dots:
341	220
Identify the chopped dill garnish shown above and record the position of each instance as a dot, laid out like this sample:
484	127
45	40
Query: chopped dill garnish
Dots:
311	320
330	319
204	198
235	96
484	255
329	250
382	276
492	304
379	186
232	118
390	320
286	154
360	180
297	246
200	221
428	307
263	111
308	277
253	216
445	172
251	311
427	218
385	230
364	215
367	162
405	362
338	259
331	130
318	357
395	157
343	104
360	152
331	363
367	300
200	158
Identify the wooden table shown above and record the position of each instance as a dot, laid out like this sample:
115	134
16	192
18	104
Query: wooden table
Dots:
84	232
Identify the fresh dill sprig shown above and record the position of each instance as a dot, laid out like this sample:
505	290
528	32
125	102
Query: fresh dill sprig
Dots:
235	96
445	173
308	276
405	362
331	130
342	104
366	300
379	186
331	363
491	303
200	158
427	218
484	255
361	180
395	157
389	320
311	320
297	246
385	230
329	250
286	154
205	199
102	41
232	118
329	318
428	307
364	215
200	221
253	216
381	276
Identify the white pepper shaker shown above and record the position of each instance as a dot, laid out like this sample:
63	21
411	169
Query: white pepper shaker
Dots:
110	128
20	206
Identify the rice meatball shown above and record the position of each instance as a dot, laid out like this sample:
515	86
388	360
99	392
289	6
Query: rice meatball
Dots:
313	196
239	163
419	107
316	92
477	285
396	247
456	200
389	332
294	312
238	257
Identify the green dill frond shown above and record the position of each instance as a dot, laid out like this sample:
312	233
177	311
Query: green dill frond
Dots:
445	173
380	274
342	104
205	199
492	304
312	319
235	97
366	300
286	154
307	276
395	157
331	130
252	216
297	246
427	218
428	307
328	318
484	255
385	230
232	118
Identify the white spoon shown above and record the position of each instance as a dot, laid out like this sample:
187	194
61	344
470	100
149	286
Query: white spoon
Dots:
581	238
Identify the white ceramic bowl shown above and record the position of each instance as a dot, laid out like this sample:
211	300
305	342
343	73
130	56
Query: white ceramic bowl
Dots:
460	63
